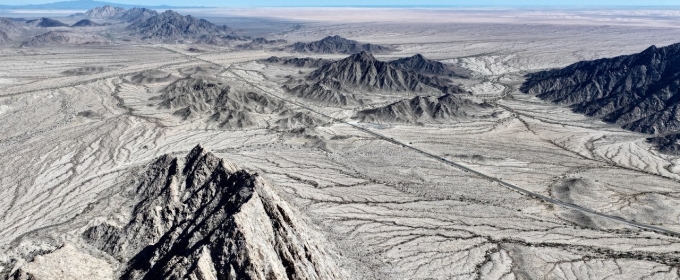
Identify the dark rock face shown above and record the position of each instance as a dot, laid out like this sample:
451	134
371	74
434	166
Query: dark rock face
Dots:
421	65
45	22
84	23
203	218
423	109
668	144
332	81
173	27
298	62
640	92
337	44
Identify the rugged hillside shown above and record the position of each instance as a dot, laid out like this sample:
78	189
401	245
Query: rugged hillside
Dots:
194	98
53	38
297	62
419	64
117	13
45	22
105	12
333	81
172	27
10	27
337	44
201	217
640	92
85	23
422	109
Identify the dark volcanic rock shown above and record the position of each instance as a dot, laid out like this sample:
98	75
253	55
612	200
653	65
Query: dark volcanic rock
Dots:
173	27
337	44
84	23
640	92
204	218
668	144
46	22
298	62
424	109
333	81
419	64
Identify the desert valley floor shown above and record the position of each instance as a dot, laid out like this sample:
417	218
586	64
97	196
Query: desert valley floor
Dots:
421	200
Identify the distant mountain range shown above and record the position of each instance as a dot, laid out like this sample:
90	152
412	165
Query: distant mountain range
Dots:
84	5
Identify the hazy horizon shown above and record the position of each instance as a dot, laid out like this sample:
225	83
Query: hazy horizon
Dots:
381	3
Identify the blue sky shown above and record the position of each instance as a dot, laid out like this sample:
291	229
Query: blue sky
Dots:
241	3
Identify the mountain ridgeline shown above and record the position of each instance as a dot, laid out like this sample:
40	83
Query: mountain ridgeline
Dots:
201	217
334	81
171	27
426	109
640	92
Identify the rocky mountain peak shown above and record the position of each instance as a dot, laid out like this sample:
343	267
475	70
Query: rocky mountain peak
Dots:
204	218
422	65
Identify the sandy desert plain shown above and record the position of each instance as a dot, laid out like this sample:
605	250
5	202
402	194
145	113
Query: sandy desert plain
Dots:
526	189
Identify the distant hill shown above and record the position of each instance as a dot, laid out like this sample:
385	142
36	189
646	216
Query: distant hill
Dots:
172	27
45	22
117	13
84	5
85	23
337	44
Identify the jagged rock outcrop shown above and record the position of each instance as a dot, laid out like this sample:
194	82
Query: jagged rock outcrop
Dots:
421	65
45	22
337	44
85	23
198	97
52	38
173	27
333	82
640	92
422	109
298	62
260	43
204	218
